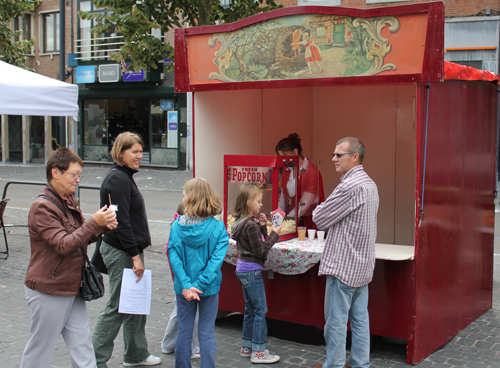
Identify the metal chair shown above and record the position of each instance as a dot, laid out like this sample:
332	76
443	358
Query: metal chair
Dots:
3	205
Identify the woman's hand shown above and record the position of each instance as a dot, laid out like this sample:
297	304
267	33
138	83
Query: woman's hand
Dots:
262	219
191	293
138	267
277	230
105	217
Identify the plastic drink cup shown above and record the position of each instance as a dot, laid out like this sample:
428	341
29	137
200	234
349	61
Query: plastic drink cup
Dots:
311	233
302	233
321	236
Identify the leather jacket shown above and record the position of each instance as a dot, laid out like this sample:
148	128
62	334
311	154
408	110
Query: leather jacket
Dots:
56	258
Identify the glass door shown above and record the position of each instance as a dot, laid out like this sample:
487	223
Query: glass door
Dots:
37	139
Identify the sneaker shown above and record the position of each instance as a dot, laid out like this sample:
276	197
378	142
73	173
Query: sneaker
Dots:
150	360
197	354
246	352
264	357
167	351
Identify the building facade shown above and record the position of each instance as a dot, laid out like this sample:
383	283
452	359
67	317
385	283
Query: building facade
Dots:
146	103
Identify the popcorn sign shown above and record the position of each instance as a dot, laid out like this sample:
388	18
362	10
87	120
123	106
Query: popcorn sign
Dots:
263	175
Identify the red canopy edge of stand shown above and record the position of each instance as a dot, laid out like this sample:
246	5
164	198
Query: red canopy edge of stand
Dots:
432	70
453	71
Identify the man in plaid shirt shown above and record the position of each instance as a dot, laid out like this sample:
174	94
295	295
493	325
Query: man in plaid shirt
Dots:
350	215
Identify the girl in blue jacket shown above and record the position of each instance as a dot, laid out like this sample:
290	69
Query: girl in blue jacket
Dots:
197	246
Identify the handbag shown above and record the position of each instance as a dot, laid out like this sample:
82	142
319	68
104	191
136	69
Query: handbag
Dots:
97	260
92	284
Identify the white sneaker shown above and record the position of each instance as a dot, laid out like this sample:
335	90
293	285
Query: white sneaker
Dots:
197	354
263	357
150	360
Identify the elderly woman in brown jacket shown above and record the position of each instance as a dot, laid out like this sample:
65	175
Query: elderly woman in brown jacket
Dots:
58	230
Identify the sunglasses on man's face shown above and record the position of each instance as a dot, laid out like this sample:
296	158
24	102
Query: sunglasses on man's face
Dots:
339	155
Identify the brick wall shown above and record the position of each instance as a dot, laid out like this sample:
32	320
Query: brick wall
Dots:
48	63
453	8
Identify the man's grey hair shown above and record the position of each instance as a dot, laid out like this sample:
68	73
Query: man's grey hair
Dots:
355	145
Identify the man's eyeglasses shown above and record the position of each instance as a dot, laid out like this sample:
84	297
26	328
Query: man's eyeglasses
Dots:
75	176
339	155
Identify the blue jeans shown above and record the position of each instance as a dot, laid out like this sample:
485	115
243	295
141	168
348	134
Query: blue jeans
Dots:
345	303
186	314
254	323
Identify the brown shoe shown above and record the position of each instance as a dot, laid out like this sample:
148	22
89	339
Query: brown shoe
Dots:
317	366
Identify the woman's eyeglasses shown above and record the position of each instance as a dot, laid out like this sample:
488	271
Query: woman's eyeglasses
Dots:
339	155
75	176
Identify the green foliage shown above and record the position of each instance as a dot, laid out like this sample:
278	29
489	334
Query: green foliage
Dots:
240	9
355	62
134	20
14	52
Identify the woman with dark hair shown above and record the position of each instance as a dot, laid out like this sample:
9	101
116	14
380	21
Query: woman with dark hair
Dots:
59	236
309	189
123	248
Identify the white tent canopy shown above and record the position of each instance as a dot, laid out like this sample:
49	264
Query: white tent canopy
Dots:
26	93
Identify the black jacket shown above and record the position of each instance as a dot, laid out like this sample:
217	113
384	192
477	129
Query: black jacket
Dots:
132	233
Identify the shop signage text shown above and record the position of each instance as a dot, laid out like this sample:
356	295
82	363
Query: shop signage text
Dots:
140	76
172	129
110	73
250	174
166	104
85	74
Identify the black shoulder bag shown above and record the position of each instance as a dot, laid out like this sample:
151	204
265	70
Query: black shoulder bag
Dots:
92	284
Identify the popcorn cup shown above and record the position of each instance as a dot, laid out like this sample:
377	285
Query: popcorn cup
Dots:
311	233
321	236
302	233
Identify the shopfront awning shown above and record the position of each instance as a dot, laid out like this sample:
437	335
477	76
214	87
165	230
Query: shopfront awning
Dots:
26	93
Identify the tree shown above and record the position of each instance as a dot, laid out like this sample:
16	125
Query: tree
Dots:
11	51
134	19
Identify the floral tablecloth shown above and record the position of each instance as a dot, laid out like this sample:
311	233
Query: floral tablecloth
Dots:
291	257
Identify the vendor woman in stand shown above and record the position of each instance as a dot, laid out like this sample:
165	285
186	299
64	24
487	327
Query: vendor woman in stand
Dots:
309	184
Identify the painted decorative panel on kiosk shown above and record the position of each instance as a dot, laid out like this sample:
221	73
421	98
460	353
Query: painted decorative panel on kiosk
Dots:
309	46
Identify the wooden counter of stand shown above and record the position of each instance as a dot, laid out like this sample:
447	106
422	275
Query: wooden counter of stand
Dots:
295	292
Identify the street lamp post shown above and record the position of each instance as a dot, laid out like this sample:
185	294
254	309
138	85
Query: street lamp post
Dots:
62	69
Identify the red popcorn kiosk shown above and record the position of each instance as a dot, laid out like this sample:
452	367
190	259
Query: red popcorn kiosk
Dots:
265	172
430	132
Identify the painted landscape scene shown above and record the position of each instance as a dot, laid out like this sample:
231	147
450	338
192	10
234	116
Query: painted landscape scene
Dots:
303	46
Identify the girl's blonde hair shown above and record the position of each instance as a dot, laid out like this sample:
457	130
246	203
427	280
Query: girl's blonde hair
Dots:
245	194
201	199
123	142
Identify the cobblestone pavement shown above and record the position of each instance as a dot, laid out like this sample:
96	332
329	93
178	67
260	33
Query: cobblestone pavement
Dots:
478	346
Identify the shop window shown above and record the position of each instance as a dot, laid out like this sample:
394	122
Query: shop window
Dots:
163	134
50	27
103	120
